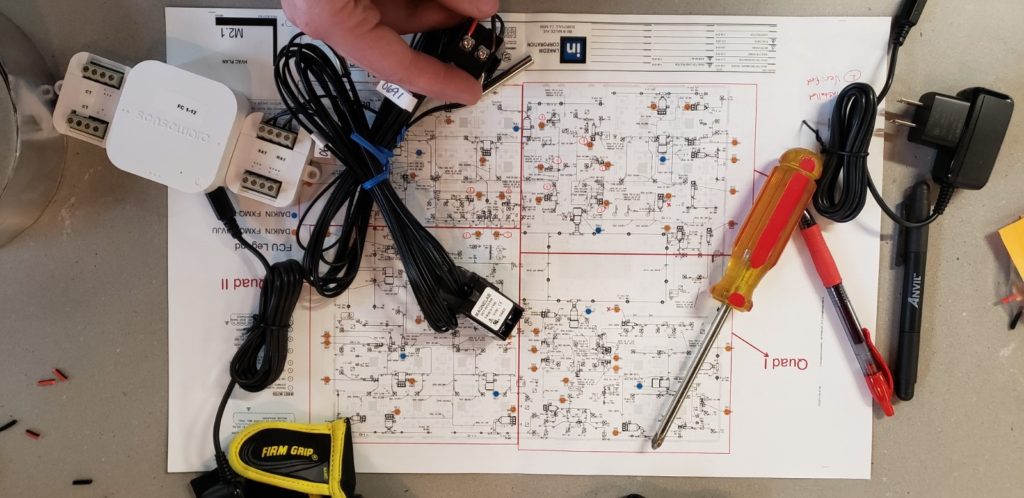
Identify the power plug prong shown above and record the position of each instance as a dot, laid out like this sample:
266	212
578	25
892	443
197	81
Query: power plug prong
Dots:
901	122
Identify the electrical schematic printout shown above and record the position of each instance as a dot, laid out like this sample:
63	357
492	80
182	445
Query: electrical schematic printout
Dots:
602	188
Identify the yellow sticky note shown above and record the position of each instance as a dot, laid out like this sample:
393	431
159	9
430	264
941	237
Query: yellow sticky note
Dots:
1013	239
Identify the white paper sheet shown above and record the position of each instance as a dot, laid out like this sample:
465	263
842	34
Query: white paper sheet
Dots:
603	196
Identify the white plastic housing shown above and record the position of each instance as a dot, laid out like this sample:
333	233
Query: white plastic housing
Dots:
266	159
175	127
88	99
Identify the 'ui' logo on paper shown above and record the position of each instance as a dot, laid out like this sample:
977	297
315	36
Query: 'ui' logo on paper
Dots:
573	50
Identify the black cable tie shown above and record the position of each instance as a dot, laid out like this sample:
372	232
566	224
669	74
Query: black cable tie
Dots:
817	136
825	150
844	153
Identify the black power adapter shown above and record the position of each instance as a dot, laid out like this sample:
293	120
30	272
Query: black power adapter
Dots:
967	131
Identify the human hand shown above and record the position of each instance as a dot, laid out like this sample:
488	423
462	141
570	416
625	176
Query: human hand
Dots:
367	33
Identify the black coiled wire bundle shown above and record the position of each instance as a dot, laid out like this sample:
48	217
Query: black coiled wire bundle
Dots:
845	179
261	358
318	90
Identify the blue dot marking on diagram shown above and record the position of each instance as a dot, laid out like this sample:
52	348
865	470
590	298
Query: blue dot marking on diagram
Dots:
295	215
639	385
663	159
588	311
495	394
598	230
419	152
515	128
402	356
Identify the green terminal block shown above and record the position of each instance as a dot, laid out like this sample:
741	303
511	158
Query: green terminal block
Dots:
275	135
89	126
260	184
103	75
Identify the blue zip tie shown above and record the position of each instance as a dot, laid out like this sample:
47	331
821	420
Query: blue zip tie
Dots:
383	156
382	176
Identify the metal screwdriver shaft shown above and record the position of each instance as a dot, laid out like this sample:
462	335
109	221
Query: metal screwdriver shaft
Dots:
691	374
757	248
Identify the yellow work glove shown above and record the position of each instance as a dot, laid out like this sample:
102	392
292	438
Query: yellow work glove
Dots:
315	459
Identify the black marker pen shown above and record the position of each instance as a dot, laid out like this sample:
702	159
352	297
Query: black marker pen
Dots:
915	252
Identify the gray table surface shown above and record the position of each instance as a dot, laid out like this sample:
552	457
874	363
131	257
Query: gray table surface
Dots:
86	289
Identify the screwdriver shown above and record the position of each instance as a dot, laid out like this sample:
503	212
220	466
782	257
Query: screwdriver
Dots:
762	238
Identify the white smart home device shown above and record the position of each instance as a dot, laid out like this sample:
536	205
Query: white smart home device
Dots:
175	127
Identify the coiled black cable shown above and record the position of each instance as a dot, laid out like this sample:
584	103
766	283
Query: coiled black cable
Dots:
845	179
261	358
318	90
841	192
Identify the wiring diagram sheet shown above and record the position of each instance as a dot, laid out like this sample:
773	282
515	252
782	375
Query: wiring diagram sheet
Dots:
602	188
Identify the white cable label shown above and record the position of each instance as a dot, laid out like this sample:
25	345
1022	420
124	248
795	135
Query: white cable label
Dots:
397	94
492	308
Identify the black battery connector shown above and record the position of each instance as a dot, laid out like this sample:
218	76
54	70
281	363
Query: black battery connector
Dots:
474	47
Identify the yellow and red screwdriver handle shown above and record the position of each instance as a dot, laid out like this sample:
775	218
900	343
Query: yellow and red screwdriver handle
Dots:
764	235
768	227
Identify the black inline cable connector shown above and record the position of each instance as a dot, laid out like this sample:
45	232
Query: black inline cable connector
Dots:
905	20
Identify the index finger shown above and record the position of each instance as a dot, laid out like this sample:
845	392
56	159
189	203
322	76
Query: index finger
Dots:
382	52
477	9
